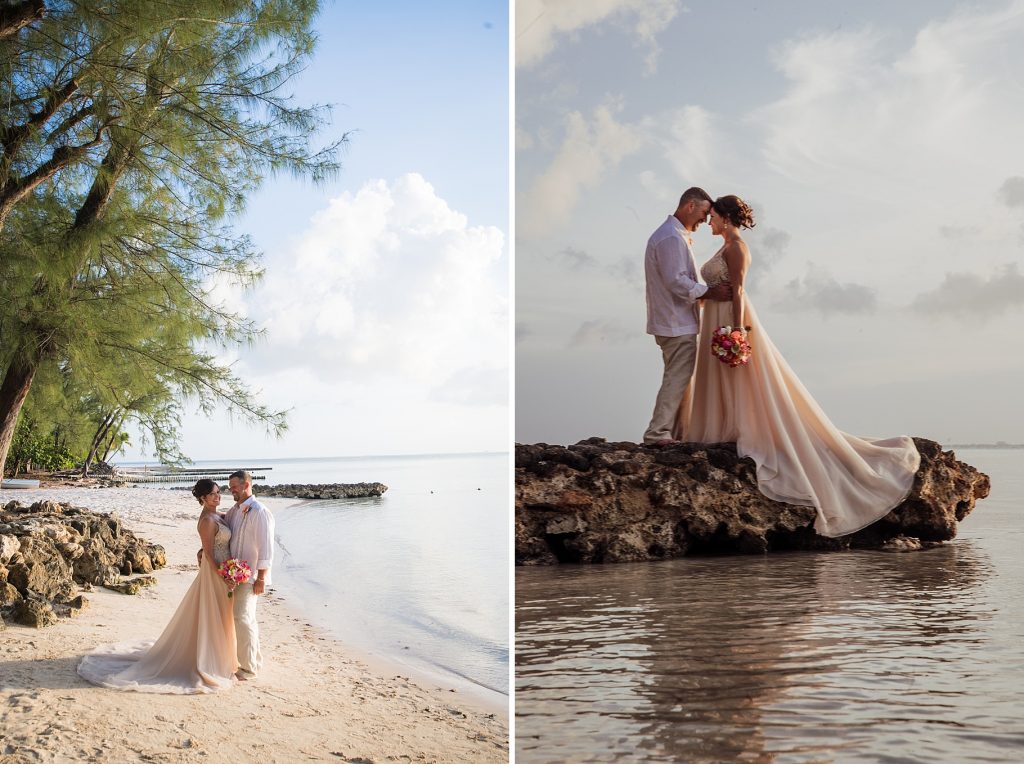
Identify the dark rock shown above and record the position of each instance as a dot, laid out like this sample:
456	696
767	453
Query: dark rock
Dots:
634	502
321	490
97	564
51	550
34	612
44	570
8	595
136	555
70	551
76	606
157	554
46	508
132	586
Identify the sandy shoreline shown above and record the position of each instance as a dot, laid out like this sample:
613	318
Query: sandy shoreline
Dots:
315	700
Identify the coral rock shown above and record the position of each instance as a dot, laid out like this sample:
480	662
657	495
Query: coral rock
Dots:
616	502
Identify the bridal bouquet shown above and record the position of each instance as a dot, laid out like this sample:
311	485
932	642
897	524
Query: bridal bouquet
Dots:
730	346
235	572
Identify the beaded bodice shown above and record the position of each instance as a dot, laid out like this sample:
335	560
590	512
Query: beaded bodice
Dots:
222	542
715	271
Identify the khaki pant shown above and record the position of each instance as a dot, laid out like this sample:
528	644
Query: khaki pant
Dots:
679	355
247	631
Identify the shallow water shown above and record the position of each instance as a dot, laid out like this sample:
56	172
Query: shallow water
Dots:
418	576
856	656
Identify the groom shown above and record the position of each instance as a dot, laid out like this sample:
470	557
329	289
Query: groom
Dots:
252	540
672	312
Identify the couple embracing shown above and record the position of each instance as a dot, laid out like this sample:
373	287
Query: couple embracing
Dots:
760	404
212	639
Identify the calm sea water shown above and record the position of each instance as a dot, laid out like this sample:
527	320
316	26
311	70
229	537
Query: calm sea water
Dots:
844	657
417	577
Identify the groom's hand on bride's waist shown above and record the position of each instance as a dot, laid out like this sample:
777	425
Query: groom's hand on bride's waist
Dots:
721	292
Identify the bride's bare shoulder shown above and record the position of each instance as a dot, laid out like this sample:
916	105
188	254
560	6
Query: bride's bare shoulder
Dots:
736	249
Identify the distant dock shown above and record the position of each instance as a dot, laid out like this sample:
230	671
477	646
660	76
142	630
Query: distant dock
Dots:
176	475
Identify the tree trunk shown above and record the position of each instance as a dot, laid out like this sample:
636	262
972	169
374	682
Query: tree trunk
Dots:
13	392
97	439
115	431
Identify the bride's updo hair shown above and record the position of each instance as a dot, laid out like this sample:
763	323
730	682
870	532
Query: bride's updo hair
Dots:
203	488
735	210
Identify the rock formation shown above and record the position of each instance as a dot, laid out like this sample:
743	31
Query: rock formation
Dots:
321	491
617	502
47	551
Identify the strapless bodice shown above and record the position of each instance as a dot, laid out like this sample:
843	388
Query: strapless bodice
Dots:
715	271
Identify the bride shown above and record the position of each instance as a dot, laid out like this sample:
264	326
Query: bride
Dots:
761	406
196	651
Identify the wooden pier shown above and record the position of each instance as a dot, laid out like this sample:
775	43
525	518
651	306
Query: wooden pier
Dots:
176	475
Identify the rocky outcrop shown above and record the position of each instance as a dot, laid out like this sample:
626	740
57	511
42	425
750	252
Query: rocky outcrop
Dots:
616	502
321	490
48	551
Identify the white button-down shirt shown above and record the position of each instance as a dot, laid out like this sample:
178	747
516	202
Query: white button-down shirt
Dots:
252	535
672	286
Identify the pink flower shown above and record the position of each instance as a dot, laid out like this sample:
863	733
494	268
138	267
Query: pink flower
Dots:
235	572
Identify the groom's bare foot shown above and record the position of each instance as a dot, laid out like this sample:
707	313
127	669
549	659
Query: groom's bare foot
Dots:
244	676
665	442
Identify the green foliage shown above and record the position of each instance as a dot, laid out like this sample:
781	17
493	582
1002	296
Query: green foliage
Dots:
132	135
40	446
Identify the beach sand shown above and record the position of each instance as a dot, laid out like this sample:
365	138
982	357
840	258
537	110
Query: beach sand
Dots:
315	700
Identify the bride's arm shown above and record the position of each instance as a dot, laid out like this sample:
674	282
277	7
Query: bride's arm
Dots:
737	257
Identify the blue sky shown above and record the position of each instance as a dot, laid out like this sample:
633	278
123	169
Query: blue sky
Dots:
879	145
385	300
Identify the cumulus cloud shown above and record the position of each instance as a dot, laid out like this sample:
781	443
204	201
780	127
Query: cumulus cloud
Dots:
601	332
820	292
540	24
961	293
589	149
390	282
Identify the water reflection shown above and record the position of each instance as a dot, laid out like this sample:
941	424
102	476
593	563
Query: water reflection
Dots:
772	659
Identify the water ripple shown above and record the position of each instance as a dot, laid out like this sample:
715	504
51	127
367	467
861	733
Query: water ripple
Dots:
860	656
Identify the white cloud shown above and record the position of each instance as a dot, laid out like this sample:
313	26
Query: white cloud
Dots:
591	148
862	114
689	142
386	282
541	23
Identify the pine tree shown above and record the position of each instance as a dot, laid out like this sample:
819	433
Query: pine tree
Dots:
162	118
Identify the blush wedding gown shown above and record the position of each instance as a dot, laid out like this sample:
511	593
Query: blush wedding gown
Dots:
801	457
196	652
